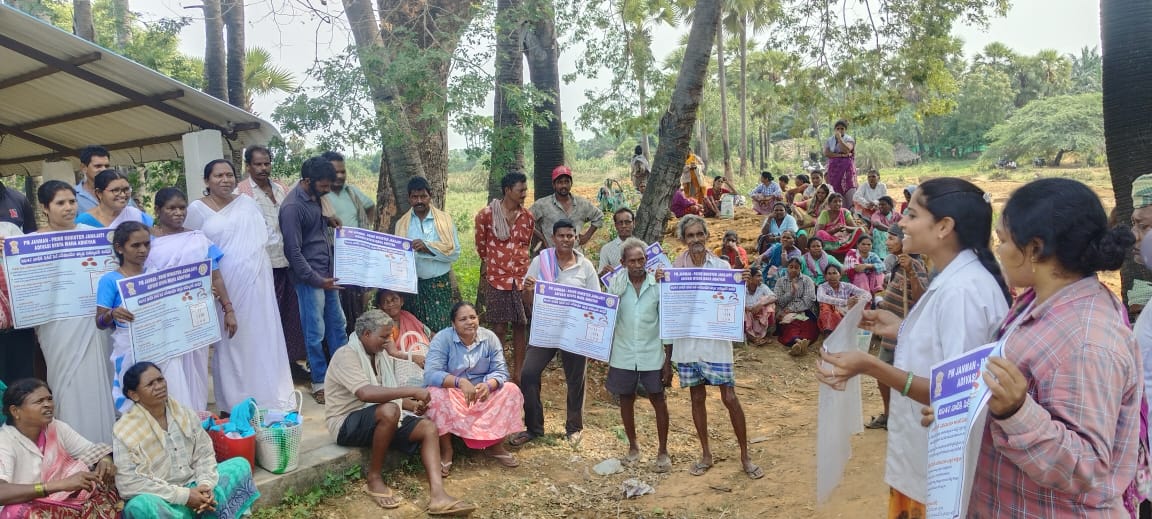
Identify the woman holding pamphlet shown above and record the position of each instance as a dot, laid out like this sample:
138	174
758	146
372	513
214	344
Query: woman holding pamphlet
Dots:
1063	429
949	221
76	353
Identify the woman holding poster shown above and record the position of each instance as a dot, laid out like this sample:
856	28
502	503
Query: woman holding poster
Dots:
1063	429
950	221
173	246
76	353
254	361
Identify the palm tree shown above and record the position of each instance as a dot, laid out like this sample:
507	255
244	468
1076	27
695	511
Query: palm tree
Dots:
262	77
82	25
543	52
215	60
640	17
744	16
676	124
233	18
1086	70
1125	38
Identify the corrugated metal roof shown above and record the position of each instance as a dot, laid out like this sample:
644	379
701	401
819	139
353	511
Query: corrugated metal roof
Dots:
48	75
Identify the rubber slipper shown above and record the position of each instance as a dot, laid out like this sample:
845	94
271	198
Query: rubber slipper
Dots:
457	508
377	496
520	438
445	469
699	468
755	472
662	465
508	460
878	422
318	396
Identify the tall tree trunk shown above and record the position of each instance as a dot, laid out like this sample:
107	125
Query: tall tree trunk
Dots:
215	77
233	15
743	93
508	137
544	72
1126	36
82	20
676	124
702	140
123	18
642	105
725	148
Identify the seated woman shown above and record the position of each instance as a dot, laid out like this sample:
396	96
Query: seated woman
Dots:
165	461
882	220
410	338
815	261
471	397
774	225
682	205
731	250
865	268
765	194
802	183
907	198
46	468
835	227
795	298
712	197
759	309
811	208
836	298
774	260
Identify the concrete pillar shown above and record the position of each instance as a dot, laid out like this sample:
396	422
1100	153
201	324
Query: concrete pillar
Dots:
200	148
58	170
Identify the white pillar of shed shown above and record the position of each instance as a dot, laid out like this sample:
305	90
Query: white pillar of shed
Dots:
200	148
58	170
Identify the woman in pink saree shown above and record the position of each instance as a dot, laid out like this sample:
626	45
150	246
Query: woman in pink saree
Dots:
410	338
48	470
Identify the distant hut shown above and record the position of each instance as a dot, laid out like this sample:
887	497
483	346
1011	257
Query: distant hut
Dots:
904	156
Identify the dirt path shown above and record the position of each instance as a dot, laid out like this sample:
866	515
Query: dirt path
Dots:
779	396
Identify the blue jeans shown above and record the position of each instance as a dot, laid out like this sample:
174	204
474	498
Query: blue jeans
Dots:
321	318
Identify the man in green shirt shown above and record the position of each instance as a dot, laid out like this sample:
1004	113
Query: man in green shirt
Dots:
638	354
351	208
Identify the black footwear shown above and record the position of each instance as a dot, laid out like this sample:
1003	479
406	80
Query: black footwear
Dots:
878	422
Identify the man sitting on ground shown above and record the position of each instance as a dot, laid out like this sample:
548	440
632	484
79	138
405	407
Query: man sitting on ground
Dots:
374	400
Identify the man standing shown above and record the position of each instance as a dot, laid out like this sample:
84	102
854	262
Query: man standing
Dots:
638	355
18	353
562	204
708	362
93	160
625	221
310	259
374	404
565	265
503	235
269	194
351	208
437	247
1142	226
640	169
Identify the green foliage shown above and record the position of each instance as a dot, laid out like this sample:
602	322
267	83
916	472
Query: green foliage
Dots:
303	506
874	154
1047	126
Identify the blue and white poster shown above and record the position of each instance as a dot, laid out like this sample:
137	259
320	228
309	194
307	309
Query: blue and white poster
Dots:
702	304
656	259
174	310
374	259
54	276
573	319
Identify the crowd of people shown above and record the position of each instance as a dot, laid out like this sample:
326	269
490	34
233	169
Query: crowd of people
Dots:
1066	435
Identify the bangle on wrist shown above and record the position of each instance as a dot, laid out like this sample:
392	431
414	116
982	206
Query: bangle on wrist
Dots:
40	489
456	382
908	384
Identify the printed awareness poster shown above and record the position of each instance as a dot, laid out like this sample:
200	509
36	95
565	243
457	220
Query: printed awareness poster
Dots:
656	258
374	259
174	310
702	304
573	319
54	276
960	403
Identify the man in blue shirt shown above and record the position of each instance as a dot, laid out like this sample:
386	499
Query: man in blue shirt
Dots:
437	246
309	254
93	160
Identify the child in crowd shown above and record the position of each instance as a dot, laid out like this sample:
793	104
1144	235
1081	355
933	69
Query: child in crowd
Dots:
759	310
865	268
835	298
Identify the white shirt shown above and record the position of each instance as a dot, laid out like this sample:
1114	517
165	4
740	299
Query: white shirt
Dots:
704	350
867	194
1143	330
580	274
960	311
610	253
271	212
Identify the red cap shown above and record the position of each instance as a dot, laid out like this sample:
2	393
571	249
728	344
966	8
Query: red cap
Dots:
560	171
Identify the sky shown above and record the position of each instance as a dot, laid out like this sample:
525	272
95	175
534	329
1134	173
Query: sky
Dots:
297	40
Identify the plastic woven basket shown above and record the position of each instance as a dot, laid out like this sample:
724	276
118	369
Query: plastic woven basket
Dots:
278	448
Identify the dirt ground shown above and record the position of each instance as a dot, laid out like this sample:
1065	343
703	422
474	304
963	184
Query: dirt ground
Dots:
778	394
